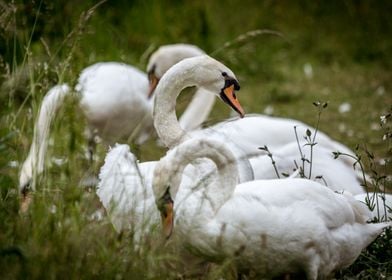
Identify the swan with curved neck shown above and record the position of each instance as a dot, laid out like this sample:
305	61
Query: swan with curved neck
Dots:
271	227
251	132
245	135
34	163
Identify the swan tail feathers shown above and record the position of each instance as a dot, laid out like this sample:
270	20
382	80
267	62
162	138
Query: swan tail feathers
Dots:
117	187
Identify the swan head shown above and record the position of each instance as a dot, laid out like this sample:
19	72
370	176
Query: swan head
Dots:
215	77
164	58
227	94
166	181
165	207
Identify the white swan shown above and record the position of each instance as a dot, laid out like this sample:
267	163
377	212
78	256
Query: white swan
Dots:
271	227
248	133
244	135
114	100
34	163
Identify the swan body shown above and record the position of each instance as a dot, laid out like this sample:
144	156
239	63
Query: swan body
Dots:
271	227
114	100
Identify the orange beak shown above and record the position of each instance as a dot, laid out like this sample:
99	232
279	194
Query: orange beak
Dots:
153	84
167	219
230	98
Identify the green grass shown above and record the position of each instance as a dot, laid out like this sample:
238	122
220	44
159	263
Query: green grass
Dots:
347	43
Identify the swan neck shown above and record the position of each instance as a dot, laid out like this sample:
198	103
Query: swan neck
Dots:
34	163
165	119
224	174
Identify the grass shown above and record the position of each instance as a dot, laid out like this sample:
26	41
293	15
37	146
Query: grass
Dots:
346	43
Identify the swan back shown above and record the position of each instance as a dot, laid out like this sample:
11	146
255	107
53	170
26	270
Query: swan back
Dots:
114	100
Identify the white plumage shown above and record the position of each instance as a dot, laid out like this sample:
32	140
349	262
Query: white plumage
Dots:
271	227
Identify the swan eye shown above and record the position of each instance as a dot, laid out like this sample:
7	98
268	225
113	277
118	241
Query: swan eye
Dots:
164	200
151	72
224	74
231	81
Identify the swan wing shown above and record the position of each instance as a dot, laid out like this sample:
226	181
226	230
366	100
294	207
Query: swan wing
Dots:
125	188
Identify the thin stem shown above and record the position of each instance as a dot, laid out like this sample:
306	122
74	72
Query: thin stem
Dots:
314	143
269	154
244	37
300	151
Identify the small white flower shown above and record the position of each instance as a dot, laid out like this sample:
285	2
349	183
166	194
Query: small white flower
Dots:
308	70
269	110
374	126
383	119
96	216
382	161
59	161
342	127
13	163
380	90
344	107
53	209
